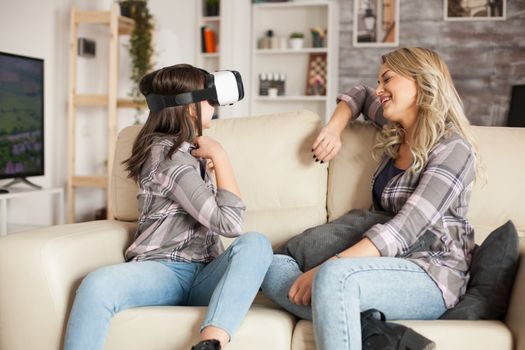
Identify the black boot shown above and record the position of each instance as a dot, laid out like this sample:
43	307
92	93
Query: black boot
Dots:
210	344
380	335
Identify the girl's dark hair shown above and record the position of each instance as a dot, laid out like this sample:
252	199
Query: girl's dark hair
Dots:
175	123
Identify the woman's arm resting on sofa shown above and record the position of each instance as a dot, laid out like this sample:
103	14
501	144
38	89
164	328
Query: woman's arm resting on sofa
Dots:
360	99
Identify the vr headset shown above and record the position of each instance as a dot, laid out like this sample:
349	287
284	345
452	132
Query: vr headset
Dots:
220	89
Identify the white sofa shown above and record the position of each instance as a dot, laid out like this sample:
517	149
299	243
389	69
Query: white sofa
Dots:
285	192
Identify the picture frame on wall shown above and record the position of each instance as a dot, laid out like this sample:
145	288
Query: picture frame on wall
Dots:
376	23
475	10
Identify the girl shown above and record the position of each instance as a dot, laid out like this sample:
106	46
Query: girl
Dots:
177	257
414	265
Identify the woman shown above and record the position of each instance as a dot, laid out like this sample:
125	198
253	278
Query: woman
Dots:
414	265
177	257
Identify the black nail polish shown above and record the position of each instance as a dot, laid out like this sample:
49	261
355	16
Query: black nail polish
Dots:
316	160
313	156
322	161
312	149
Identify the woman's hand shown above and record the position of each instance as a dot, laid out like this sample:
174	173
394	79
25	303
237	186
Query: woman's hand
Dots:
301	291
327	143
208	148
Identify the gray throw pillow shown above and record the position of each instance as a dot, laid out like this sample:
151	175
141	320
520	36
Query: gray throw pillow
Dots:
492	272
317	244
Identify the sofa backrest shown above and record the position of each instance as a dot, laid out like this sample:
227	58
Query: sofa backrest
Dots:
123	190
350	172
282	187
494	201
286	192
502	196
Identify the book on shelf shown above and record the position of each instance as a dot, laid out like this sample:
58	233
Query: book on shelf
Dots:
208	40
203	42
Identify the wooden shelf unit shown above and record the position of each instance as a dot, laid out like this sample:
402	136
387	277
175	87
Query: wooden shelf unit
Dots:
117	25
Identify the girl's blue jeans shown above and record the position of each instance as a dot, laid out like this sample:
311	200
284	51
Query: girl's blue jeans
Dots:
227	285
343	288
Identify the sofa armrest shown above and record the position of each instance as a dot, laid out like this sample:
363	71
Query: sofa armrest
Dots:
516	313
40	271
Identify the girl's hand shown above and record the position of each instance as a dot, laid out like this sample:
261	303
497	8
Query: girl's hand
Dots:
207	148
301	291
327	143
209	165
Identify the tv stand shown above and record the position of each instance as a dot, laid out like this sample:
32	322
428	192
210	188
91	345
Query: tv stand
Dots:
21	180
17	193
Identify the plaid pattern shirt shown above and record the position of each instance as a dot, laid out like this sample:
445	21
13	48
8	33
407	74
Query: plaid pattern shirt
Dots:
181	212
434	200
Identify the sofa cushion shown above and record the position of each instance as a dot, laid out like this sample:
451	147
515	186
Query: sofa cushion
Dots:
492	274
449	335
177	327
461	335
283	188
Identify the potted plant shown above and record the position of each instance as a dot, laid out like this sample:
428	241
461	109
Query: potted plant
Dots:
212	8
140	46
296	40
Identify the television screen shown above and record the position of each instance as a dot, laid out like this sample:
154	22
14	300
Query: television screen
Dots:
21	116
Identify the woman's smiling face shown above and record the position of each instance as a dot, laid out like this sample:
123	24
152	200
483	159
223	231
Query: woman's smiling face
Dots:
398	96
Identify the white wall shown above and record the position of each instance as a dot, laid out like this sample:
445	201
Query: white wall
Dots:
235	49
41	29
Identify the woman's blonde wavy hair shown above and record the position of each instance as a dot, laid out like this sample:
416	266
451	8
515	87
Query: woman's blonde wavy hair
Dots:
438	101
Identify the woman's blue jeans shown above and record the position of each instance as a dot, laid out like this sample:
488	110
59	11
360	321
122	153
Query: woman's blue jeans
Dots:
343	288
227	285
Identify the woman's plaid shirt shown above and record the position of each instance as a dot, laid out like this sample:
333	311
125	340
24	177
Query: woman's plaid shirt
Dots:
435	200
